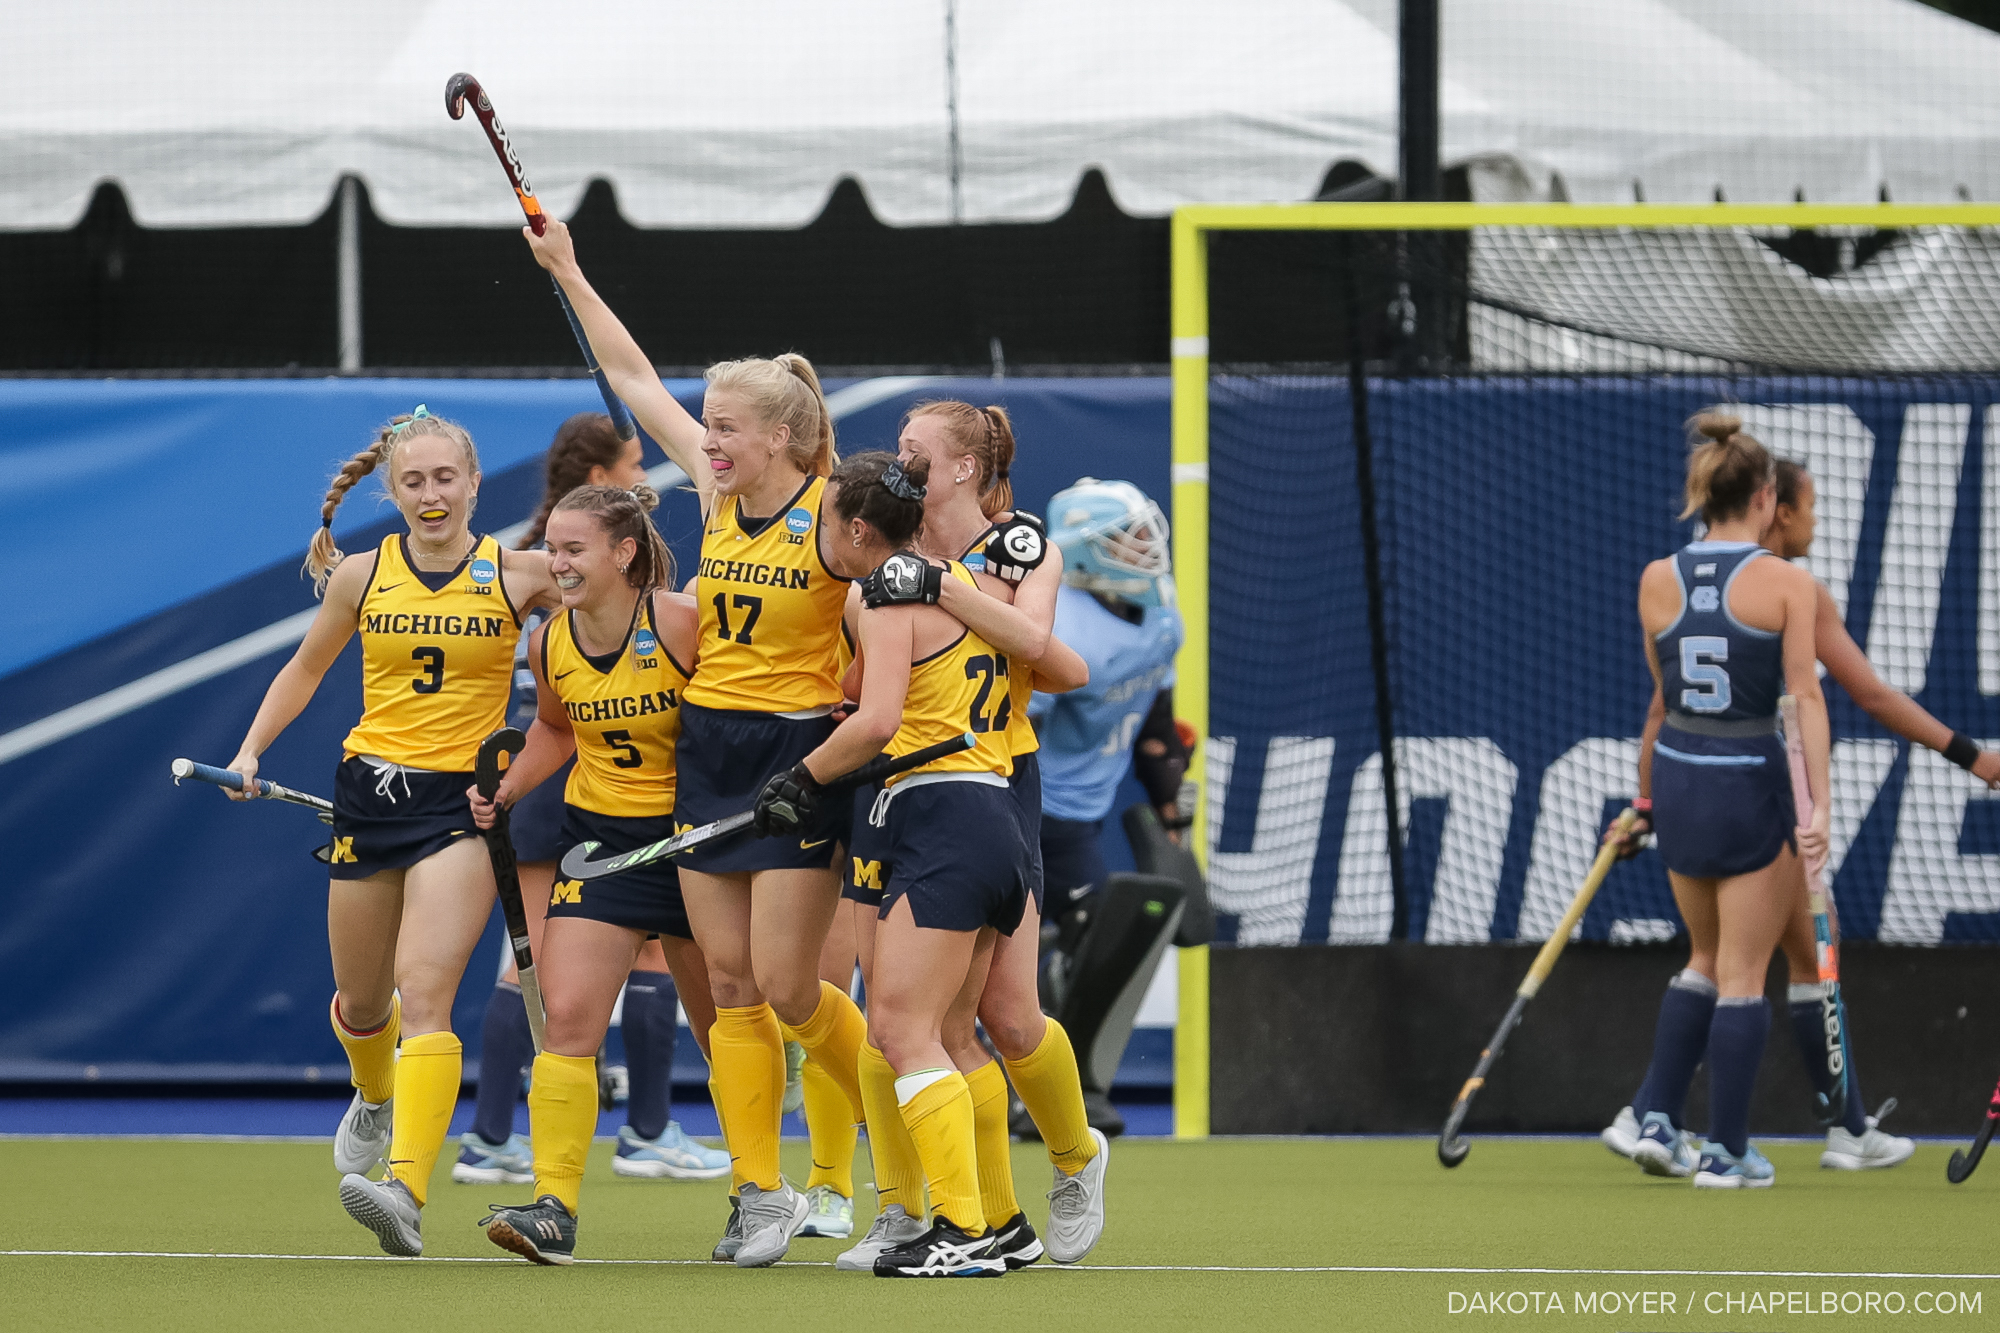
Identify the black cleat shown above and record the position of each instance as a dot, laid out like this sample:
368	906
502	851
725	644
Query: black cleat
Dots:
1016	1242
943	1251
542	1233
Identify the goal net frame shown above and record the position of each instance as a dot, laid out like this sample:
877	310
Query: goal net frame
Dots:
1192	225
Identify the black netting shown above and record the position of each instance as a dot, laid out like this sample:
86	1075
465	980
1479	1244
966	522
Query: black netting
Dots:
1440	541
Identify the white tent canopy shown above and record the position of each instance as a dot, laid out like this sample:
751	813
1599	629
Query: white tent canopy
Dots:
747	113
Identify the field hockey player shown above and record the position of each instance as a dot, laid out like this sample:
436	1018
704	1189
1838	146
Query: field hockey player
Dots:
439	611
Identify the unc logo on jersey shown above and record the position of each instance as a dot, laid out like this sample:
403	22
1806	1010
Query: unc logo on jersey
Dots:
1705	599
799	521
482	570
644	644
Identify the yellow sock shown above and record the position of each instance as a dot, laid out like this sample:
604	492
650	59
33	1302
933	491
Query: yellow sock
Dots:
830	1122
899	1175
371	1056
722	1124
996	1157
428	1073
748	1058
1050	1089
940	1121
562	1117
833	1038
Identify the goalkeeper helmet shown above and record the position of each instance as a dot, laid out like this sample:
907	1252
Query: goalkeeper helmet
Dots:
1114	541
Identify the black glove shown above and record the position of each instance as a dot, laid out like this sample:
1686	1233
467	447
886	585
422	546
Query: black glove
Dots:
788	802
903	578
1017	547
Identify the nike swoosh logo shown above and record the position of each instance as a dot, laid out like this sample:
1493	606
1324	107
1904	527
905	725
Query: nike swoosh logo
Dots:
457	832
560	674
805	846
380	588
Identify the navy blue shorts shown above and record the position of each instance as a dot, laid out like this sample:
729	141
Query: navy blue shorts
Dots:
1027	785
722	762
1722	806
867	852
647	898
392	821
956	854
536	820
1072	861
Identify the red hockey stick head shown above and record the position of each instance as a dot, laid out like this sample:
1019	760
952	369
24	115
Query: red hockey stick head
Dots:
457	89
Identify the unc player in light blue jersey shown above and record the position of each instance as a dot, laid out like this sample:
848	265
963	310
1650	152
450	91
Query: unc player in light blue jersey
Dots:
1116	609
1727	633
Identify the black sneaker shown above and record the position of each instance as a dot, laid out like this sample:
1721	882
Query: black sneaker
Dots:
543	1233
943	1251
732	1234
1016	1242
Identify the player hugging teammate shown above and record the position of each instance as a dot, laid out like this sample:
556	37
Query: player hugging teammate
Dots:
727	702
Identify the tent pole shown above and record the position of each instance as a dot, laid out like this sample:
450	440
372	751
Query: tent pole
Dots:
350	275
1417	122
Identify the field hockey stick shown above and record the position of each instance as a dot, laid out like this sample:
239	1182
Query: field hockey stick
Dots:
1452	1146
260	788
1964	1160
1826	928
578	865
457	91
506	877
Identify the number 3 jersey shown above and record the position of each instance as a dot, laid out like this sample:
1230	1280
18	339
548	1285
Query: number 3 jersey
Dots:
437	659
1713	667
959	688
625	708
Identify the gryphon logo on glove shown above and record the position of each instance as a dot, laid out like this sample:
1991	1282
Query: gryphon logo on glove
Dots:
903	576
1024	544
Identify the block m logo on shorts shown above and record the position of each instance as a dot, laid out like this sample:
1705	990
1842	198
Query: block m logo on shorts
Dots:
867	874
566	891
343	850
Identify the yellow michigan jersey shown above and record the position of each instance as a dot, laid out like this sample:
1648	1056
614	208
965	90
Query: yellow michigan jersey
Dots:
1021	735
959	688
437	659
770	611
626	711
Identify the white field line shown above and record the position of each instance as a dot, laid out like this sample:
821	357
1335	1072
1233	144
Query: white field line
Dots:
1358	1269
284	633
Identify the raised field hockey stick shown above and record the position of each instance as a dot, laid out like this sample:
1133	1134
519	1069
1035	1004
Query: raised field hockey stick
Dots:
457	91
506	878
1826	929
263	790
1965	1160
578	865
1452	1146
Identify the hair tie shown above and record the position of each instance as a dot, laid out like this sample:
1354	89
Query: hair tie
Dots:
898	483
417	415
327	523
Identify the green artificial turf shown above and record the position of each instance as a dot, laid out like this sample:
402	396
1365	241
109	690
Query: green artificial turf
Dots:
1192	1208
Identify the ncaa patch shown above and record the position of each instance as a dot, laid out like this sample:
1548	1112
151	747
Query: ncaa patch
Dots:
974	561
482	570
644	644
799	521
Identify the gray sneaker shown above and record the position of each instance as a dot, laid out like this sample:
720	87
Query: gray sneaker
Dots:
770	1219
795	1079
732	1234
387	1208
1076	1207
363	1137
892	1227
829	1214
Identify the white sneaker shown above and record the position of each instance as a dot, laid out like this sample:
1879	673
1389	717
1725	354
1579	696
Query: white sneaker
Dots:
829	1214
387	1208
672	1156
1871	1150
770	1219
483	1163
892	1227
1622	1134
362	1140
1076	1207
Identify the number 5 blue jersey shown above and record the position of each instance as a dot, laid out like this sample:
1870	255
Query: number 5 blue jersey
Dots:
1087	734
1713	666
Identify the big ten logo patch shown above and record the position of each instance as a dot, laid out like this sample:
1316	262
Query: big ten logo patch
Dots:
566	891
797	524
645	649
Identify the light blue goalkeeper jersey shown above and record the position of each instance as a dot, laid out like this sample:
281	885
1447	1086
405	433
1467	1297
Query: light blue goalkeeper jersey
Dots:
1087	734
